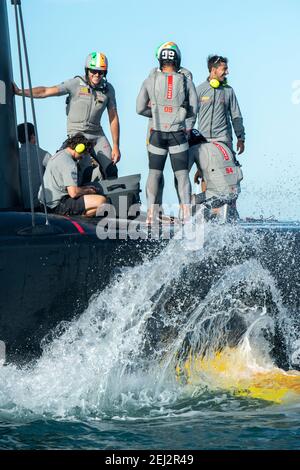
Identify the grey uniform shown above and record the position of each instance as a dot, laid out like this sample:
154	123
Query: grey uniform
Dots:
84	110
190	121
151	92
35	173
219	169
169	99
189	124
61	172
218	112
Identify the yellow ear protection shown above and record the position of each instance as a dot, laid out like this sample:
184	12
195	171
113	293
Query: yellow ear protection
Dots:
214	83
80	148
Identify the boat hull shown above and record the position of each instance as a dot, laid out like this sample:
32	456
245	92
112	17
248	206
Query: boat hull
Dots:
49	274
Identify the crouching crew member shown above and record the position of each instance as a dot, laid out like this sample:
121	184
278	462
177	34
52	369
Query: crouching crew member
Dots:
169	98
63	191
220	173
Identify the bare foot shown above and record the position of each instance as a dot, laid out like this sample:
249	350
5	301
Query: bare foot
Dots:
149	218
186	213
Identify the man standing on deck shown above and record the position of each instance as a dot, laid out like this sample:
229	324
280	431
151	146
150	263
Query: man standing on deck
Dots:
189	125
218	112
87	99
218	106
169	98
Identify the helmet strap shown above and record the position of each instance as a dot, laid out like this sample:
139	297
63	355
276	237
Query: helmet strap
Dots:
102	86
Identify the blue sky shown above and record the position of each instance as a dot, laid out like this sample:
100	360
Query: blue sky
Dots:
261	40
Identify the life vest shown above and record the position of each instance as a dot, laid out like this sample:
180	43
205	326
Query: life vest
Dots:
168	101
102	87
221	172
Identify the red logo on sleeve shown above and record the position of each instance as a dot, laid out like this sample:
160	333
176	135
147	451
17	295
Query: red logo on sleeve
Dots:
226	156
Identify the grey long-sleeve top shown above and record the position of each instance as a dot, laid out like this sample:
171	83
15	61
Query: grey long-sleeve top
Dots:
219	111
147	97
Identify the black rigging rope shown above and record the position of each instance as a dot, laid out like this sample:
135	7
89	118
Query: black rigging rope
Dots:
18	10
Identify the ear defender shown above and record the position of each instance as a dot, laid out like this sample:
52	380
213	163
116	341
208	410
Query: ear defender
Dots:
214	83
80	148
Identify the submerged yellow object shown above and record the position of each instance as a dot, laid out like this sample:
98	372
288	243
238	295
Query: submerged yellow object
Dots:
236	371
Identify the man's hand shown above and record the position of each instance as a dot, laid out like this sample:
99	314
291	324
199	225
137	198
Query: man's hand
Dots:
197	177
82	190
91	190
115	133
77	191
16	89
240	146
115	154
187	133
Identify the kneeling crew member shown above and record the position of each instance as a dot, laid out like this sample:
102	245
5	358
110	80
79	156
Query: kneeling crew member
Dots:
63	190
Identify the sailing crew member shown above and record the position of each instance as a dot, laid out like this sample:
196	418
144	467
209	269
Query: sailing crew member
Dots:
219	110
63	191
218	113
34	167
169	98
189	125
88	97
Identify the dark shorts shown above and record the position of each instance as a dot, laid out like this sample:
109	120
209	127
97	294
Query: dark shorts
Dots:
165	141
70	206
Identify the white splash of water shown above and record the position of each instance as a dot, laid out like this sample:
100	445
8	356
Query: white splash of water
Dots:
97	366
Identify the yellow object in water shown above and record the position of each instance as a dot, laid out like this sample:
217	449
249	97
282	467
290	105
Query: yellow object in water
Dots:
236	371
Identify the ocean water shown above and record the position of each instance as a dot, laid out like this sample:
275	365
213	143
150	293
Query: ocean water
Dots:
178	353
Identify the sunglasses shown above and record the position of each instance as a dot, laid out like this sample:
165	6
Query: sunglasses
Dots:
95	72
219	60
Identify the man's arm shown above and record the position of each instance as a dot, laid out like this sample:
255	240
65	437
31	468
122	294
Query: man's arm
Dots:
193	106
143	106
115	134
69	174
237	123
46	159
199	97
38	92
76	191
